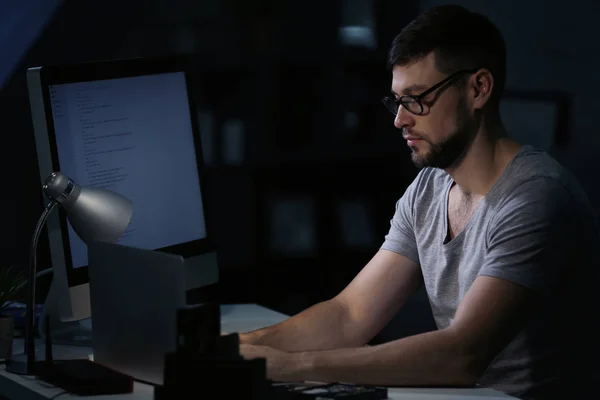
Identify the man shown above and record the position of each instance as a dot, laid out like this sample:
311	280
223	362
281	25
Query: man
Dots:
502	237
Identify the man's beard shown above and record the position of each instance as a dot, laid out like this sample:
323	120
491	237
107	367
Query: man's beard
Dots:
450	151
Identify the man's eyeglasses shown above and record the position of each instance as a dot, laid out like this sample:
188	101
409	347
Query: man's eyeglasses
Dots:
414	103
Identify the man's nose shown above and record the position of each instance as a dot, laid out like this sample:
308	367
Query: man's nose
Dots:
403	118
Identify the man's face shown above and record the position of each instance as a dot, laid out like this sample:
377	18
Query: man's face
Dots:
443	133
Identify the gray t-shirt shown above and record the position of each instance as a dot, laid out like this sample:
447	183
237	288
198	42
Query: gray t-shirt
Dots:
535	228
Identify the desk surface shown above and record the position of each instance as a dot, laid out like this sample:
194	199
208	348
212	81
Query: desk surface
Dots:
234	318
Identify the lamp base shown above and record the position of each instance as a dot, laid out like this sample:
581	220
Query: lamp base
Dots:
17	364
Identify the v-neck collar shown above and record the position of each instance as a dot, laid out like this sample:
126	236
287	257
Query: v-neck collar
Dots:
458	238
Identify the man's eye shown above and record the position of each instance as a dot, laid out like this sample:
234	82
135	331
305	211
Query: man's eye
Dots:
429	96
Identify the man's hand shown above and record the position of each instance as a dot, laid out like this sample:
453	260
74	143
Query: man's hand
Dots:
278	361
244	337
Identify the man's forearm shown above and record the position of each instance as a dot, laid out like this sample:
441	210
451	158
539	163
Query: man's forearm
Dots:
429	359
324	326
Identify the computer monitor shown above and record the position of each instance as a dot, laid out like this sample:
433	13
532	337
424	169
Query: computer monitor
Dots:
128	126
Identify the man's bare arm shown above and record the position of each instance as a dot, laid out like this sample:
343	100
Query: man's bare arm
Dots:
353	317
489	316
316	328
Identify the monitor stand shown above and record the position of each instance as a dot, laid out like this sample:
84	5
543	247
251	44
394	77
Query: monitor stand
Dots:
69	312
69	308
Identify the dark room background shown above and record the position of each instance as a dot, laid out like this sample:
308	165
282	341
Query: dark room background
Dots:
304	165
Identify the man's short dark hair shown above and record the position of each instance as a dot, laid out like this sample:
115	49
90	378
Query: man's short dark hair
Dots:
459	38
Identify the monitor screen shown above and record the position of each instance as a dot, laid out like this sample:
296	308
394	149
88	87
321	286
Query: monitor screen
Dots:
132	134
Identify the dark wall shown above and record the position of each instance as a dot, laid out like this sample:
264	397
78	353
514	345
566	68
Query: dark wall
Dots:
307	99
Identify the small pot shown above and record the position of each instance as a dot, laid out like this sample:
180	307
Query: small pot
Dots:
7	333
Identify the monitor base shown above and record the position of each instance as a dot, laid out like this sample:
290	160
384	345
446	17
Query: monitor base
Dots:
70	333
69	314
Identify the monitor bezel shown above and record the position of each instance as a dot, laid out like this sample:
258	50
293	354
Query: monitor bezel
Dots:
114	69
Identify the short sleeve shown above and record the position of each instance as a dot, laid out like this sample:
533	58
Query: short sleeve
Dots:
533	237
401	236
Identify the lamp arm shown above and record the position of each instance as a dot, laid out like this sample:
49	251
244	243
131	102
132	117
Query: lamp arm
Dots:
30	310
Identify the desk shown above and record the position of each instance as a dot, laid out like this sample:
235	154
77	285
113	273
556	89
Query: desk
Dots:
234	318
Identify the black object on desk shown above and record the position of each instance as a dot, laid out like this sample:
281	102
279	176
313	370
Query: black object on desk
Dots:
304	391
80	376
84	377
204	360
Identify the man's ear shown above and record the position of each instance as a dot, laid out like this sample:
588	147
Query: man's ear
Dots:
480	86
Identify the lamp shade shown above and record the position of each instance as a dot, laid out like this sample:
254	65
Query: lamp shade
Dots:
95	214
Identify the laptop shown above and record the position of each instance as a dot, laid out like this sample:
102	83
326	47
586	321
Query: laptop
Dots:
135	294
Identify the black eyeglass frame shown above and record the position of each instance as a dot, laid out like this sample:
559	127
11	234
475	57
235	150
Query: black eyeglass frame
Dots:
393	104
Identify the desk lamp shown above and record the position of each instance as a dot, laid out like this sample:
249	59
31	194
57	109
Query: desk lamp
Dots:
95	215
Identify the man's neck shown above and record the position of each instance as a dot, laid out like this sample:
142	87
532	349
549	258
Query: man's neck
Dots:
482	165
